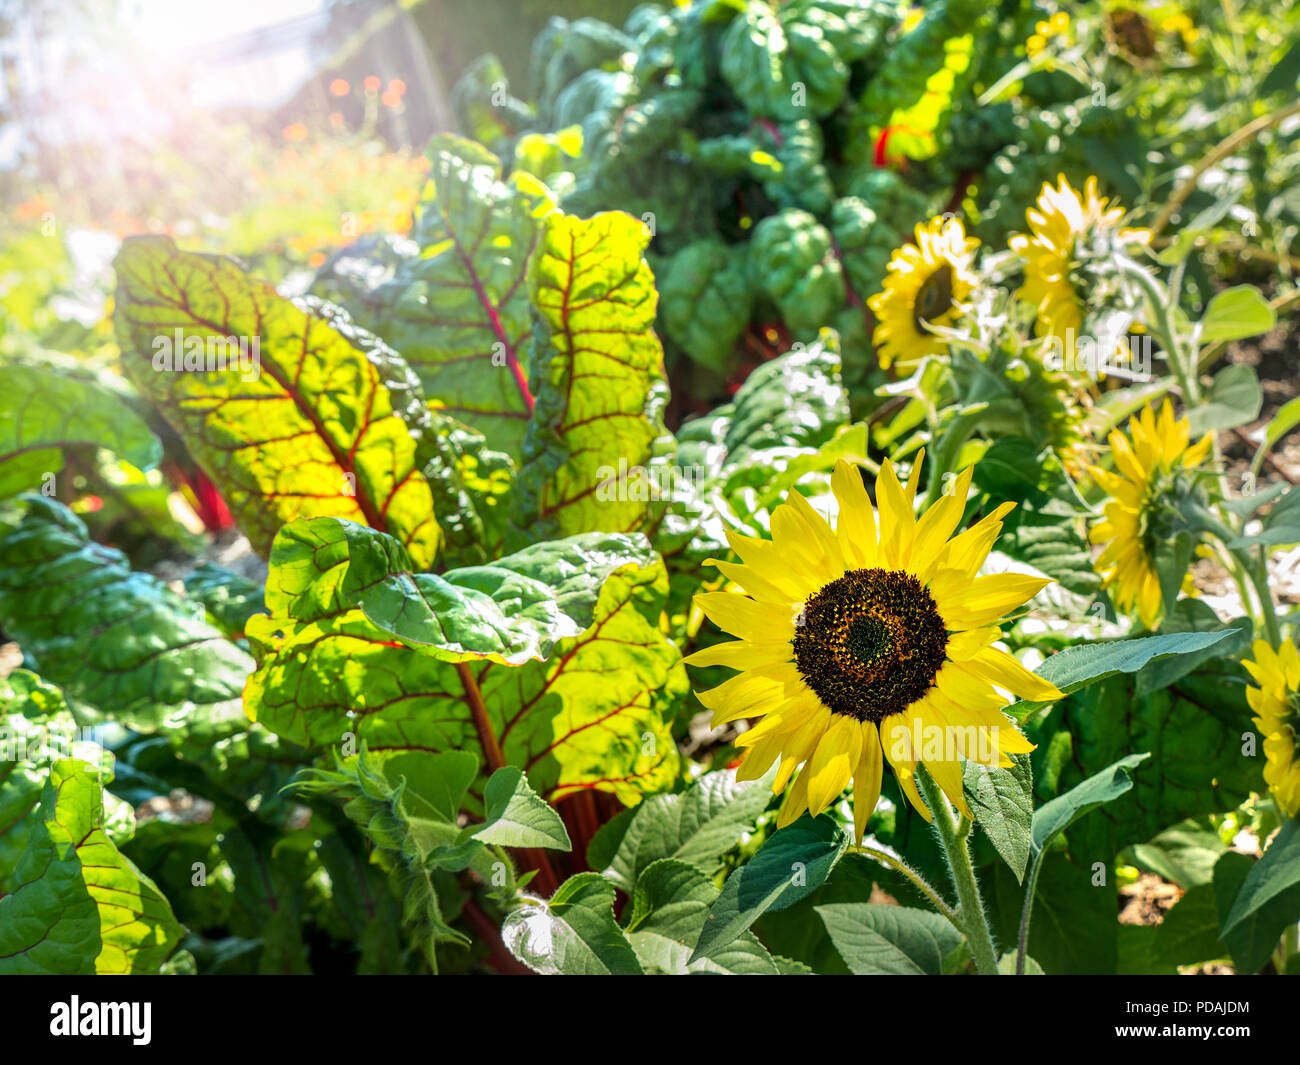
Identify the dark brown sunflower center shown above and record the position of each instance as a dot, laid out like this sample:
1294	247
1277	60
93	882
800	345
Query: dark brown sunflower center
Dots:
870	643
935	297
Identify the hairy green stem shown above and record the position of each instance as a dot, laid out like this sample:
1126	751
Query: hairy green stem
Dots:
936	900
953	835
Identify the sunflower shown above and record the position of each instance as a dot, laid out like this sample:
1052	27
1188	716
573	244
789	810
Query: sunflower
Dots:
868	642
1145	463
1066	230
926	284
1276	703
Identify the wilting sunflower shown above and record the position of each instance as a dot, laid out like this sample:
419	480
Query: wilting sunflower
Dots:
926	284
1066	230
1276	703
1146	462
868	642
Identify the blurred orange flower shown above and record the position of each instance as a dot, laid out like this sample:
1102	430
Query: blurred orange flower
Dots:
339	87
397	86
371	84
295	132
37	206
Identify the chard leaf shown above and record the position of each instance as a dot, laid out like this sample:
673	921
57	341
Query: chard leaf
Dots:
308	428
74	905
550	660
42	412
120	642
459	311
597	371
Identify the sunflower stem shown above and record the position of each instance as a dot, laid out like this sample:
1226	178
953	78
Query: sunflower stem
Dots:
953	835
1161	324
936	900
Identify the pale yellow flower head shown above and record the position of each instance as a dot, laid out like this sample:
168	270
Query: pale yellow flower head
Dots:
1067	230
1154	450
927	283
868	641
1275	701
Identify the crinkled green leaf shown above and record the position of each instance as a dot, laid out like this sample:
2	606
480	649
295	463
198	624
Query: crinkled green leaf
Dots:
550	660
229	598
793	255
307	428
118	641
795	400
707	297
471	486
781	63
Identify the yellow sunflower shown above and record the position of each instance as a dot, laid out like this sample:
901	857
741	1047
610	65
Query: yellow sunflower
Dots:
867	642
1145	461
1062	229
1276	703
926	284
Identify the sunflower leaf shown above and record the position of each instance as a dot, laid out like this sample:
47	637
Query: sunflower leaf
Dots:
1267	901
792	864
574	933
879	940
696	827
1002	801
1084	664
1193	729
669	908
516	816
1053	818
